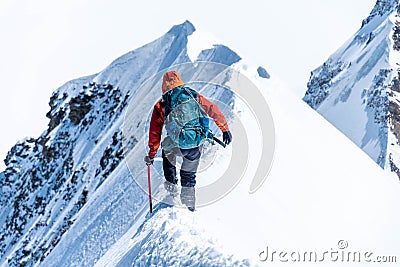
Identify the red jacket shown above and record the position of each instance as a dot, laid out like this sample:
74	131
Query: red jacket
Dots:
157	121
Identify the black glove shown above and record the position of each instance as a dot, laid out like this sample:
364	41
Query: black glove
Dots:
148	160
227	137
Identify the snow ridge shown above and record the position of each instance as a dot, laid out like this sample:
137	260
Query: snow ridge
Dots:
172	237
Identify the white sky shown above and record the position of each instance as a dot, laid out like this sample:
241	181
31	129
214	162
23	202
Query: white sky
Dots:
45	43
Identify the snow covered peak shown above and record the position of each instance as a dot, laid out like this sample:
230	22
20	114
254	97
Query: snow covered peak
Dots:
381	8
219	54
356	89
185	28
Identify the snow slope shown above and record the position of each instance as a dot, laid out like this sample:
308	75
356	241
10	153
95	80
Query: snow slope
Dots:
356	89
72	197
321	189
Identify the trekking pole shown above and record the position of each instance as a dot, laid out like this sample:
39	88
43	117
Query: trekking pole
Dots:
149	184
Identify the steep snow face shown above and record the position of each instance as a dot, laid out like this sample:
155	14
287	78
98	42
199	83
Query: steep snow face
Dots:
68	188
356	88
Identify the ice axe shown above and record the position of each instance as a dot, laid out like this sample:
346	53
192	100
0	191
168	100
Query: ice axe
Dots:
211	136
219	141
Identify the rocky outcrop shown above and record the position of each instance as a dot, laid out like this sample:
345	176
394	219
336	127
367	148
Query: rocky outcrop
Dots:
79	107
320	83
381	8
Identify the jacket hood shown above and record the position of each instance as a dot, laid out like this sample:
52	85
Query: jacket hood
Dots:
171	79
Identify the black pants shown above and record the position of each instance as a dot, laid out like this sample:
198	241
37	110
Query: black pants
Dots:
191	160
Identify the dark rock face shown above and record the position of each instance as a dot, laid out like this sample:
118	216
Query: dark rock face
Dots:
394	115
320	83
42	177
394	102
396	36
79	107
55	116
393	167
381	8
112	156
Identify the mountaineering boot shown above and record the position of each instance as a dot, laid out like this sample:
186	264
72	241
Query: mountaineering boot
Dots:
171	188
188	197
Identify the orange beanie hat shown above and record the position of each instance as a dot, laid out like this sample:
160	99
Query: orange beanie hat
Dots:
171	79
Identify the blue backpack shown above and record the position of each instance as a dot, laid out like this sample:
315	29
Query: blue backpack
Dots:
186	122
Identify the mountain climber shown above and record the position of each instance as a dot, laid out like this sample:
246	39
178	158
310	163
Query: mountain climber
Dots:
185	114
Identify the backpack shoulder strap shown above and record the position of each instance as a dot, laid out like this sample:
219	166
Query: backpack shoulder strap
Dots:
190	92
